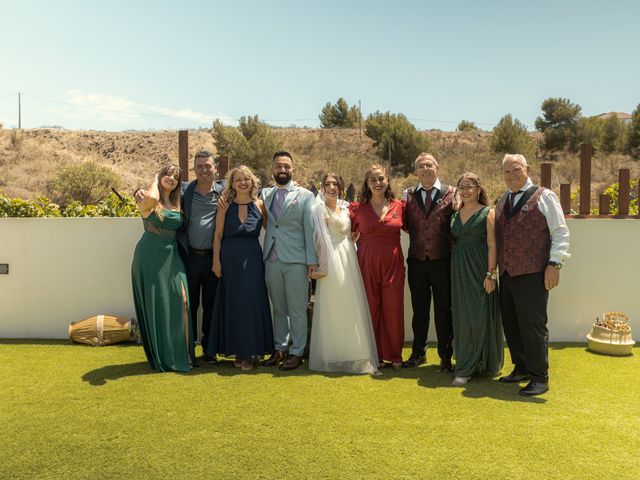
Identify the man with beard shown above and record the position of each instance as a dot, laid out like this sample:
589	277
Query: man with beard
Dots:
290	257
195	240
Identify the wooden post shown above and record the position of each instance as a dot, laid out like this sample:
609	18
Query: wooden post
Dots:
624	191
586	150
183	154
604	204
351	193
565	198
223	166
545	174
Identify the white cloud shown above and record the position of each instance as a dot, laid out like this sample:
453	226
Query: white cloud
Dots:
125	111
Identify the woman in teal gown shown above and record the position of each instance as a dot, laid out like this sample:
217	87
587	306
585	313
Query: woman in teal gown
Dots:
159	279
475	306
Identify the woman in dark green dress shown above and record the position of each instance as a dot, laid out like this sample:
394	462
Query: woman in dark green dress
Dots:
477	329
159	279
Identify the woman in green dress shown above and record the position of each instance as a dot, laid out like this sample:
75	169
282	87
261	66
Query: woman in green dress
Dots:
159	279
477	329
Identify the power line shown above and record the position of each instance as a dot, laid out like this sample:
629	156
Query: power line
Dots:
187	117
446	121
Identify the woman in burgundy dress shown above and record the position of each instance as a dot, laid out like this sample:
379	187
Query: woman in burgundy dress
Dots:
376	222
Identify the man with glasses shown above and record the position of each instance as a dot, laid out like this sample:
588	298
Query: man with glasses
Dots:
428	217
195	240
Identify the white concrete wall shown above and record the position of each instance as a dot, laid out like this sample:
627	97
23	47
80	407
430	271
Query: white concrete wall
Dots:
65	269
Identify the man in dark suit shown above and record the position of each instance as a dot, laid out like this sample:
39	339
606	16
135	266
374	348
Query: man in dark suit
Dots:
427	217
195	240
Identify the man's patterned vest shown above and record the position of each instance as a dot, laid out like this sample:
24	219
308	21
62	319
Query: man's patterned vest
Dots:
429	232
523	239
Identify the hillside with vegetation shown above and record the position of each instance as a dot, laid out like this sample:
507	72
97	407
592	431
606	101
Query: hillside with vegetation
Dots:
29	159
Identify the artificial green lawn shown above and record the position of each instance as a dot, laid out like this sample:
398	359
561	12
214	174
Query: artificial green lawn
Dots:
72	411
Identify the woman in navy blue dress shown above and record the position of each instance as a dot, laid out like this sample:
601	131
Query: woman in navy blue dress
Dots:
242	318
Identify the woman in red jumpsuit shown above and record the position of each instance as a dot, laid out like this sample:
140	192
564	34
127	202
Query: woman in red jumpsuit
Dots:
376	222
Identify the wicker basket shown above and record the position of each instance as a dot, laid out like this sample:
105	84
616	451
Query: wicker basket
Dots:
612	335
103	330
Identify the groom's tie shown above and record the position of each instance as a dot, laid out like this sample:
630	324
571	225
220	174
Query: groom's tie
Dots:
276	205
276	208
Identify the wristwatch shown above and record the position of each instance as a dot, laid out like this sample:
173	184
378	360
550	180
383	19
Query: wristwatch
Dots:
556	265
492	275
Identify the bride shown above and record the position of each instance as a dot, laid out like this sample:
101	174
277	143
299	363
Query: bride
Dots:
342	337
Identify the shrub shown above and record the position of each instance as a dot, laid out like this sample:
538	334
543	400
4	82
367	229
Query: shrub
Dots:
118	205
86	182
613	192
559	123
17	207
633	134
511	136
339	115
467	126
612	134
396	139
590	130
77	209
112	206
252	143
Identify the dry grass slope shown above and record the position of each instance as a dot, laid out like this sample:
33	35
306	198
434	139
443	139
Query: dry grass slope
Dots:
28	158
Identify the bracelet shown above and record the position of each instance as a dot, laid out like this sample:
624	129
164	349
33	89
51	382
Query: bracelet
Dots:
492	275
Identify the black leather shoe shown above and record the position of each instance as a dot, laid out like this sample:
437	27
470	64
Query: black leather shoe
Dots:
276	357
446	365
414	360
514	377
210	360
534	388
291	363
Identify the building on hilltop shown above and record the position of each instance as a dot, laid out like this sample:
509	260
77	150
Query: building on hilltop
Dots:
625	117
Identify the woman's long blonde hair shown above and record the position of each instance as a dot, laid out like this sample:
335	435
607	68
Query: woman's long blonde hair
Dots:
229	193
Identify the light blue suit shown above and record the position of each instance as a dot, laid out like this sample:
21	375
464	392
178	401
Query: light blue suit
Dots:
292	236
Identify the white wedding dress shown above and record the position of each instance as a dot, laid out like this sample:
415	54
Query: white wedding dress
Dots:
342	338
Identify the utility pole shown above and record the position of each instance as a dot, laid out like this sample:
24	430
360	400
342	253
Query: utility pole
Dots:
19	113
360	117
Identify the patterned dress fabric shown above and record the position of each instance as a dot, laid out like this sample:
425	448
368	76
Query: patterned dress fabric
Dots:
477	329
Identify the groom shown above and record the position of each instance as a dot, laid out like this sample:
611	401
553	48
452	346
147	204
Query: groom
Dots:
290	256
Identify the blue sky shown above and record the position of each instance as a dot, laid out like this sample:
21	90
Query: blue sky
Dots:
136	64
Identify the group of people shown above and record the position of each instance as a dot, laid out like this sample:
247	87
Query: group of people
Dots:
487	268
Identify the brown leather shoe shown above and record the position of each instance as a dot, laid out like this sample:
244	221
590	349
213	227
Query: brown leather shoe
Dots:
291	363
276	357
